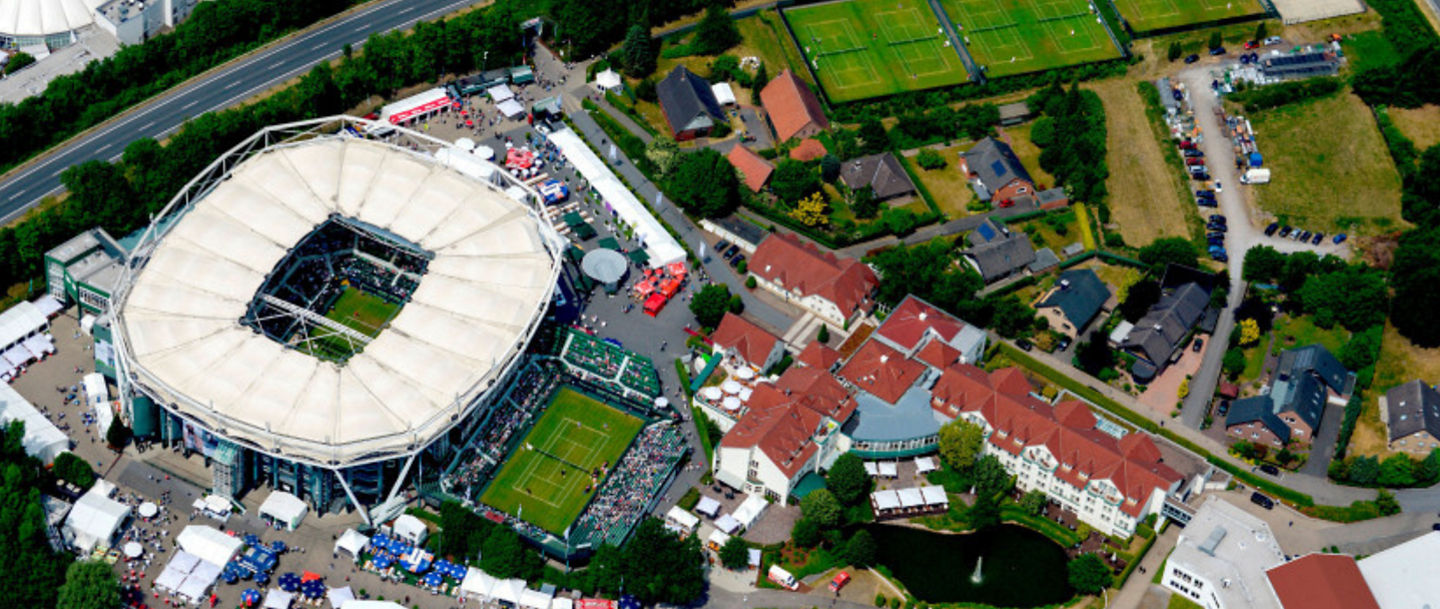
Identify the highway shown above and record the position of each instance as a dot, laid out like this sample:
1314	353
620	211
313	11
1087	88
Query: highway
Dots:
217	90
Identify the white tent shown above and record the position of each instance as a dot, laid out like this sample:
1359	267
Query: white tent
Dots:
500	93
662	248
278	599
728	524
723	93
609	80
411	529
750	510
339	597
562	602
419	105
95	519
681	518
478	583
20	322
508	590
510	108
209	544
535	599
43	440
217	506
284	508
176	570
924	465
708	506
373	605
353	542
718	538
199	581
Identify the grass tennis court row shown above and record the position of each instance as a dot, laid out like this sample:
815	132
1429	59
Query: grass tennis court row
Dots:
1152	15
869	48
544	480
1007	37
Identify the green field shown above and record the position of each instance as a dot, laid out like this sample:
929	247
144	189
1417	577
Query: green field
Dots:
868	48
1151	15
544	481
363	312
1008	37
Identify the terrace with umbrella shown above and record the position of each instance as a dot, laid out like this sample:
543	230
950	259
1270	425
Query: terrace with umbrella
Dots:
249	597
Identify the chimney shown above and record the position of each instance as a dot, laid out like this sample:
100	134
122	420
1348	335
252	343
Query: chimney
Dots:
884	358
922	315
1064	283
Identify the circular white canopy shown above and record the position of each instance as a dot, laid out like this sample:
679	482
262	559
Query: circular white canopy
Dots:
661	402
731	403
485	152
606	266
745	374
44	17
133	550
465	144
731	387
148	510
710	393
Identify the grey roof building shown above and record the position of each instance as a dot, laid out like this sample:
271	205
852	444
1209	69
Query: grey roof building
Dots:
1410	409
1303	65
992	165
1001	257
1159	332
1078	296
688	102
1302	385
1045	259
1014	113
881	172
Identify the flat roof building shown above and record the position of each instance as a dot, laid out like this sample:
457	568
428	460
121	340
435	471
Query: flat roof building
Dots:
85	270
1220	560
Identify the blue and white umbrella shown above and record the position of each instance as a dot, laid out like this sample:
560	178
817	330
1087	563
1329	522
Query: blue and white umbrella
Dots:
288	582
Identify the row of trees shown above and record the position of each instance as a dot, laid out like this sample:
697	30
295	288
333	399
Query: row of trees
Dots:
826	512
590	27
1395	471
497	549
929	271
1071	135
1354	296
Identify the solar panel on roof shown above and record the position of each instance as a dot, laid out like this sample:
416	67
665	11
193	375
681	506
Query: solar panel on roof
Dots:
999	168
986	232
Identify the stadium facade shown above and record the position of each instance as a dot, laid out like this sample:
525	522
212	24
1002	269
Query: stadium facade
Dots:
227	300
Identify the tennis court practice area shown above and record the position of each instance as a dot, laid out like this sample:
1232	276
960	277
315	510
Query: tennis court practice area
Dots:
869	48
1150	15
1008	37
544	481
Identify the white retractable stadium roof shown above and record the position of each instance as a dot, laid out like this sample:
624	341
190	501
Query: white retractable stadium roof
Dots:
43	17
489	282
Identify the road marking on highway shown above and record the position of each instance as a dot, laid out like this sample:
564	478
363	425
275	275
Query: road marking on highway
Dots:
189	105
17	196
105	147
233	84
319	46
405	10
147	125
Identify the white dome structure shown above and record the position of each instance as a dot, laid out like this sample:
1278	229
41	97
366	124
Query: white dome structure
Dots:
49	22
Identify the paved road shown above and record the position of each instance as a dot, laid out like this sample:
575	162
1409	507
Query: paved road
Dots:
221	89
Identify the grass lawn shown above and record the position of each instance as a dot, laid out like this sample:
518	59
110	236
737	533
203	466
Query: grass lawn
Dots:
947	185
1146	201
1369	49
1117	276
1046	231
1028	153
1400	362
544	481
764	36
363	312
1007	37
1421	125
1148	15
1332	171
868	48
1180	602
1291	332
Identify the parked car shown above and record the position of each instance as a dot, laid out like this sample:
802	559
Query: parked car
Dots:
1273	40
1197	344
1261	500
1219	187
1224	408
1270	469
1023	344
1207	203
737	260
1285	231
720	247
1340	238
1217	51
1217	218
1202	175
1250	44
1191	152
1245	59
1192	58
1272	229
1195	161
1319	236
1063	344
1218	227
1177	94
730	253
1187	145
1220	256
1304	234
1209	194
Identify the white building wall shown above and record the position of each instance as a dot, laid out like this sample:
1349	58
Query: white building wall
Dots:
1190	585
821	307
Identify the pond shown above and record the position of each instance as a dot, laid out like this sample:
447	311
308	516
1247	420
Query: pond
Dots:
1020	568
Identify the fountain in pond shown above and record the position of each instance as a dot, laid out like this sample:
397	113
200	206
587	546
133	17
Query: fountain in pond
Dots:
976	577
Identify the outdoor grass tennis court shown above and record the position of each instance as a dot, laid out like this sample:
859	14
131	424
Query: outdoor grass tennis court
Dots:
869	48
1008	37
576	435
1151	15
365	313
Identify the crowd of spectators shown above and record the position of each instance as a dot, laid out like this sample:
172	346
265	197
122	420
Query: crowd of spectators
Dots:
611	365
632	486
513	415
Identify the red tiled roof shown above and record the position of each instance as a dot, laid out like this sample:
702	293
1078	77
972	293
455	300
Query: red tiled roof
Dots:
751	342
1011	381
819	355
1075	415
802	267
908	323
808	149
938	354
791	105
783	417
754	167
881	371
1321	581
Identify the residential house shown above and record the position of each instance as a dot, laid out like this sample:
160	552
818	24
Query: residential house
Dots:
746	344
881	172
1412	414
1305	381
753	168
808	149
997	253
1321	581
995	172
1221	558
689	104
792	107
920	330
1077	298
836	290
1014	113
1155	338
735	230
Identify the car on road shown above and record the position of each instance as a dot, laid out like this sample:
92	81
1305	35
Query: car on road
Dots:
1261	500
1063	344
1340	238
1270	230
1250	44
1217	51
1192	58
1270	469
1435	527
1219	187
1319	236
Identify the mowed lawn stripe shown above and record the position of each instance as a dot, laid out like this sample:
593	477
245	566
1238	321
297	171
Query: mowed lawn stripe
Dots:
363	312
553	500
1008	37
1150	15
871	65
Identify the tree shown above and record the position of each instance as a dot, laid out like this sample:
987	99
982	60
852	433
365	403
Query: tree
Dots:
863	203
1386	503
664	154
829	168
71	468
715	33
984	513
1362	349
805	533
824	334
991	478
873	139
661	567
710	304
929	159
811	211
960	443
1355	297
1263	263
735	554
89	584
1174	52
847	479
1233	363
1364	470
1142	295
1249	332
1415	276
1427	471
1095	354
860	550
504	555
18	61
1397	470
1088	574
117	436
821	507
1215	40
899	220
762	77
793	181
638	52
646	91
1033	502
1170	250
705	184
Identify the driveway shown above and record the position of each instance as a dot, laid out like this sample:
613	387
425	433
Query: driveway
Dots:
1323	447
1160	395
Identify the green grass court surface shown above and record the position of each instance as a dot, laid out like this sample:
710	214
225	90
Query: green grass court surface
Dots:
1008	37
575	435
362	312
868	48
1151	15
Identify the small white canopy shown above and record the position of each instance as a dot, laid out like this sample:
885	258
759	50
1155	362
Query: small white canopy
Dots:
148	509
411	529
708	506
924	465
478	583
608	80
730	403
199	581
218	506
745	374
358	604
484	152
750	510
508	590
934	495
97	395
510	108
885	500
285	508
681	518
465	144
730	386
339	597
209	544
43	440
95	519
910	497
755	557
20	322
710	393
353	542
176	570
718	538
871	469
562	602
278	599
723	93
535	599
500	93
888	469
728	524
48	305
